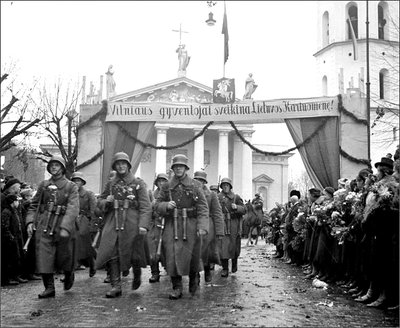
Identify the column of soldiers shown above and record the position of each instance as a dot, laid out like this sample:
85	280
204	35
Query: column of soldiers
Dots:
183	225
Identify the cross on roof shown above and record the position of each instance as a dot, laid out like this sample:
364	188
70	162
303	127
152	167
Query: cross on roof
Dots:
180	33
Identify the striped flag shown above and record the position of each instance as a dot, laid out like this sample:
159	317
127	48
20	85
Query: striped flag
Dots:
226	36
353	38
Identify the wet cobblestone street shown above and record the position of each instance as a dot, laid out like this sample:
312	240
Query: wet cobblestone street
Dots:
264	292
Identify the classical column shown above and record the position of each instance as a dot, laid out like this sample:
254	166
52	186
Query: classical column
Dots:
237	164
223	154
247	168
161	154
198	160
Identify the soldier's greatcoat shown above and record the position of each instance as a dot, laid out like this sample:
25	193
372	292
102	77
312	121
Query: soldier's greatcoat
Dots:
126	244
230	248
52	252
87	206
210	247
182	257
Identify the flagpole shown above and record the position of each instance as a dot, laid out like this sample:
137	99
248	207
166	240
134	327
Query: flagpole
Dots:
224	31
368	88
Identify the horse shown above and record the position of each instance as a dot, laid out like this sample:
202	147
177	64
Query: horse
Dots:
223	91
253	219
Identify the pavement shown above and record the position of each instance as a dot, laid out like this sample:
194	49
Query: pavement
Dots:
265	292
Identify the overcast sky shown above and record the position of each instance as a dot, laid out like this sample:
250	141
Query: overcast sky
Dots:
273	40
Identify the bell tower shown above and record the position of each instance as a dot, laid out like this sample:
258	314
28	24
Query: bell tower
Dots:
341	59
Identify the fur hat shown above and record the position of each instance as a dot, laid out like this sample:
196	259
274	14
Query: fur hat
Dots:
295	193
314	192
10	183
329	190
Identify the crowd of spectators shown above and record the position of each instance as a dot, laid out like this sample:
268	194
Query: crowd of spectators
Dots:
349	236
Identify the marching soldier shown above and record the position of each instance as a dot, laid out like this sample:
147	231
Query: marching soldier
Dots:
210	250
233	209
52	214
127	211
182	203
85	253
154	235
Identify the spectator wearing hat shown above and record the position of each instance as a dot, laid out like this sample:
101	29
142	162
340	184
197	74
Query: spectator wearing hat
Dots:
233	210
214	188
51	216
155	231
383	219
313	230
183	204
210	249
29	266
12	242
85	253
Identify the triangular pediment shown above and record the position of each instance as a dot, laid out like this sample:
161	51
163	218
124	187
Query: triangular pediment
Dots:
263	178
180	89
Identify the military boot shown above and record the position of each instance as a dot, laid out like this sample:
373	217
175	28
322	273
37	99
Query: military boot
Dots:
115	279
155	273
225	269
207	274
234	265
194	282
69	278
177	288
48	282
137	273
92	270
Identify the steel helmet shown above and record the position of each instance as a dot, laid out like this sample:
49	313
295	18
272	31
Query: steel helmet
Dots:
160	176
180	159
226	180
120	156
78	175
58	159
200	175
214	188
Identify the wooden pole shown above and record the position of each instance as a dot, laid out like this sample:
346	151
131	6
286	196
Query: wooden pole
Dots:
368	87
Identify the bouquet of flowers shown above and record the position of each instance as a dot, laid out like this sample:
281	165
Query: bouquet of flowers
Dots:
122	191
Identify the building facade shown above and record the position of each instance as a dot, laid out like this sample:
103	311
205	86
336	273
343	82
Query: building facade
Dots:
342	63
219	151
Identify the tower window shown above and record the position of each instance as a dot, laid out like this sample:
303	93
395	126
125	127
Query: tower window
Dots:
352	14
324	86
325	29
383	81
382	7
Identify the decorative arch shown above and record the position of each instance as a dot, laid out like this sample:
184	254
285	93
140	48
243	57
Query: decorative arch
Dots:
382	20
383	84
324	86
325	29
352	15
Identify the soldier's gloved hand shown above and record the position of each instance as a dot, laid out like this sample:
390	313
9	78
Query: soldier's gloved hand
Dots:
64	233
29	229
234	206
201	232
171	205
142	231
110	198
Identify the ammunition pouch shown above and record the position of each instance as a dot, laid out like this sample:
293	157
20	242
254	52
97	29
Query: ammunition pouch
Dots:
131	204
44	208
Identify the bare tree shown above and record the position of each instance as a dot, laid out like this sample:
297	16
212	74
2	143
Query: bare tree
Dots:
19	116
58	104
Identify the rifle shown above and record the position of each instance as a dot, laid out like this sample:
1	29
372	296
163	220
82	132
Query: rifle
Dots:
25	249
96	238
161	226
